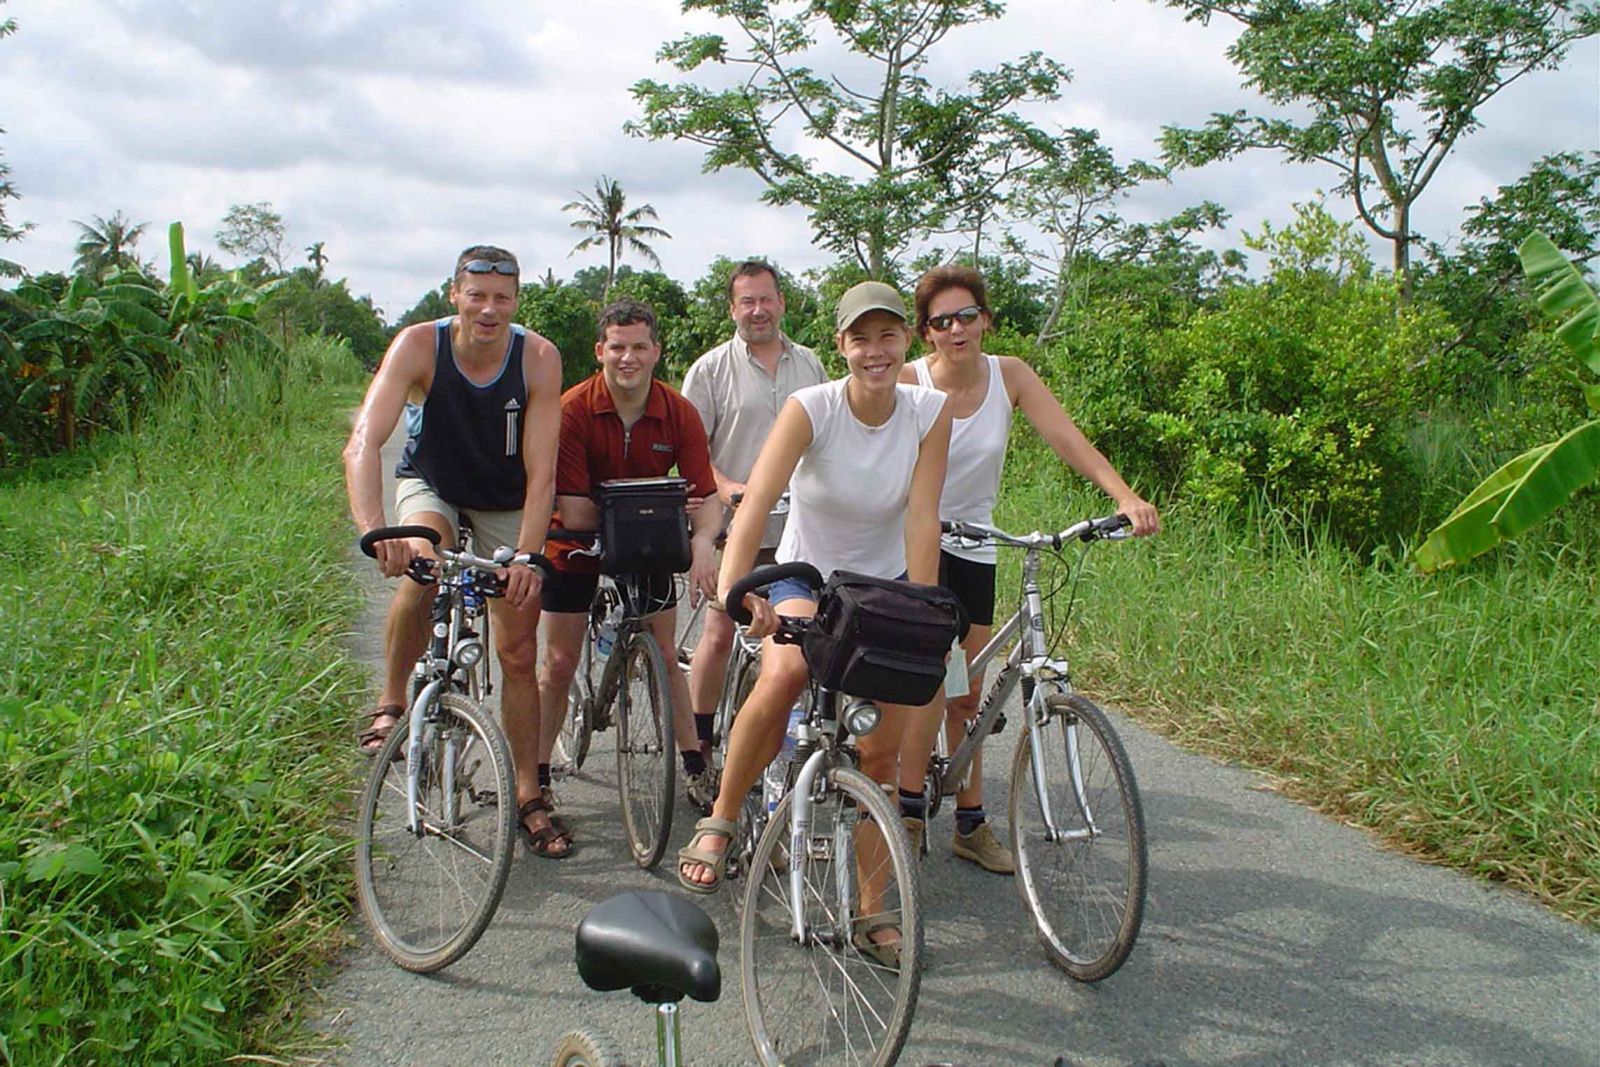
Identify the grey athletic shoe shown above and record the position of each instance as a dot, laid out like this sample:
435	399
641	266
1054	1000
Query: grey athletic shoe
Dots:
701	789
984	848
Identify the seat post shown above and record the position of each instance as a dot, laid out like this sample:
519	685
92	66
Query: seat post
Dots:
667	1048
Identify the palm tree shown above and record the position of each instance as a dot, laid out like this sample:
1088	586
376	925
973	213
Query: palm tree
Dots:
318	260
609	224
107	245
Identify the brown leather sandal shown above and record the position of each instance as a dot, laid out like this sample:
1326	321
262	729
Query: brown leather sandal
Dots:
542	842
370	741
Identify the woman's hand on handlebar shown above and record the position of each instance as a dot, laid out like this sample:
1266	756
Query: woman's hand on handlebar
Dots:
1142	515
764	618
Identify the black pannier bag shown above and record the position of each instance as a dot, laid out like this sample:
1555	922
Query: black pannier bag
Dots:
882	639
644	525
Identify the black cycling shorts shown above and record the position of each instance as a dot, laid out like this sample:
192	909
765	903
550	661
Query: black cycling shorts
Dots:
566	592
973	585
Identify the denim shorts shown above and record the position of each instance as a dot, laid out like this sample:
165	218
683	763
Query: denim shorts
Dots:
797	589
790	589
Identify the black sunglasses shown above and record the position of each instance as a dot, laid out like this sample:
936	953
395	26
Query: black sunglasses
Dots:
967	316
486	266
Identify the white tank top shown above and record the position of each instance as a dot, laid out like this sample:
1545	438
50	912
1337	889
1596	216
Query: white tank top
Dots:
977	458
849	491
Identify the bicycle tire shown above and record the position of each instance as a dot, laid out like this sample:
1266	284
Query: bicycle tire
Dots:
577	725
752	809
1085	893
587	1048
646	750
470	854
828	1001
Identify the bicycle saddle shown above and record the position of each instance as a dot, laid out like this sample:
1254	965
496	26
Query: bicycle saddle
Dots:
660	946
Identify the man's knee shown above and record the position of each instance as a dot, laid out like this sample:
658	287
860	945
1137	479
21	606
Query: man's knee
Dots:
716	639
519	658
560	663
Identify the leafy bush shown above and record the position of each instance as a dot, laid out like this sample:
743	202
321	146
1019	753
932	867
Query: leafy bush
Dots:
1299	389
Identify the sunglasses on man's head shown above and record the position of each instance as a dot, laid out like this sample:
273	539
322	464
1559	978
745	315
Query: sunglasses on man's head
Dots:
487	266
966	316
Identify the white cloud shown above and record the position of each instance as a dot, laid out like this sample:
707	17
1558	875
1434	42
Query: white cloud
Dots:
400	132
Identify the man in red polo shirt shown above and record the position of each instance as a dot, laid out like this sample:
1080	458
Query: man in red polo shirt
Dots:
621	423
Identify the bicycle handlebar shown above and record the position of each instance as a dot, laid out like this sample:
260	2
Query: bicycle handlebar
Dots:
503	557
1108	528
766	575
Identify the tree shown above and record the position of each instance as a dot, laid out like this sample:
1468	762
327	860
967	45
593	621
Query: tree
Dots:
1479	281
1068	203
8	191
254	231
609	223
318	260
1358	66
107	245
916	156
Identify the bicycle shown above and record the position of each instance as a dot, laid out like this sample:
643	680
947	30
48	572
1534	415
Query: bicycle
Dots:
1077	826
437	817
626	685
661	947
824	877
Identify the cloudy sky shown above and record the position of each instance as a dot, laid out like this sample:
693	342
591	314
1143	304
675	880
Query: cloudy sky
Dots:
398	132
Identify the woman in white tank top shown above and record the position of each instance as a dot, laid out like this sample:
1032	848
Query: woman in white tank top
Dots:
864	459
952	314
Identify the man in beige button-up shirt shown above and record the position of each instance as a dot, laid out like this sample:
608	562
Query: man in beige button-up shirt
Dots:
739	387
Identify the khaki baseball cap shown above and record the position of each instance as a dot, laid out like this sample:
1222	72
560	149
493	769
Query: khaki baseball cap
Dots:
864	297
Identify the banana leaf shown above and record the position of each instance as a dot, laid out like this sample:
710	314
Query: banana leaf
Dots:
1517	496
1562	292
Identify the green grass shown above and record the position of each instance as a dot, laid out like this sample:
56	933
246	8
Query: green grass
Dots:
171	722
1457	715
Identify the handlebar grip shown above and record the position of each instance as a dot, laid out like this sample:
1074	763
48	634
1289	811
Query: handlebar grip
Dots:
772	572
1106	527
370	539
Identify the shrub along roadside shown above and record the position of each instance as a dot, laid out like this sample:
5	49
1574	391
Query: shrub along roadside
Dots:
1454	714
169	772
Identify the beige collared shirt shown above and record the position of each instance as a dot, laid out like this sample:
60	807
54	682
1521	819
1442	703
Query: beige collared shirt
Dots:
739	401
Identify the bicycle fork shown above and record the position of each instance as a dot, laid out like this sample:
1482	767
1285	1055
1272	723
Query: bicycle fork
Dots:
800	843
414	750
1040	714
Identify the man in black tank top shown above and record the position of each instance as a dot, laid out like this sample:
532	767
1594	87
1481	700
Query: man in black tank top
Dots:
482	399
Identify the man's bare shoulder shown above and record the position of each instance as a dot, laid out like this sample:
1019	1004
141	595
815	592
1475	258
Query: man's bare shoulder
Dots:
410	354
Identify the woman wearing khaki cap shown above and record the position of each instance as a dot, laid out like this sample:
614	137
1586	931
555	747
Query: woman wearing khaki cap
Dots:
864	461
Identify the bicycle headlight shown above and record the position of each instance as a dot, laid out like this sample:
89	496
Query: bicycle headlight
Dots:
861	717
468	653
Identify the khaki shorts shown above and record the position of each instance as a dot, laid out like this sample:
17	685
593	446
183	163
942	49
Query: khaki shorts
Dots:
490	529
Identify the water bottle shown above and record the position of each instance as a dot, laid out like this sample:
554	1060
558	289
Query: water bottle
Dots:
607	636
772	782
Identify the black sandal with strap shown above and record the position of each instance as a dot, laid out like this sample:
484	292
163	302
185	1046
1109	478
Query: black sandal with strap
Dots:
539	841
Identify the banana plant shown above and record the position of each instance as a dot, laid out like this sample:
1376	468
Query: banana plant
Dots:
1529	488
211	315
92	347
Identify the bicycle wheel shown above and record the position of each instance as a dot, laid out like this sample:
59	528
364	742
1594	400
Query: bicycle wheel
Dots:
1084	883
572	742
822	999
586	1048
646	752
428	895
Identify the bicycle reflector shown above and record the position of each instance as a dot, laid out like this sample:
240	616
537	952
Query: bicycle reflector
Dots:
861	717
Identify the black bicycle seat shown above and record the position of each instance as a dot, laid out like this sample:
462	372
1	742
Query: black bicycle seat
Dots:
660	946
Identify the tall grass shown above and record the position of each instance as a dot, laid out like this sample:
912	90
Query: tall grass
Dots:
167	756
1458	715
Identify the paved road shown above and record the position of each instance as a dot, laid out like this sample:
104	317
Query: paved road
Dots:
1272	936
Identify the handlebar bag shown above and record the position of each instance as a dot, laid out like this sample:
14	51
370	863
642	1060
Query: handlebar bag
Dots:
644	525
882	639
